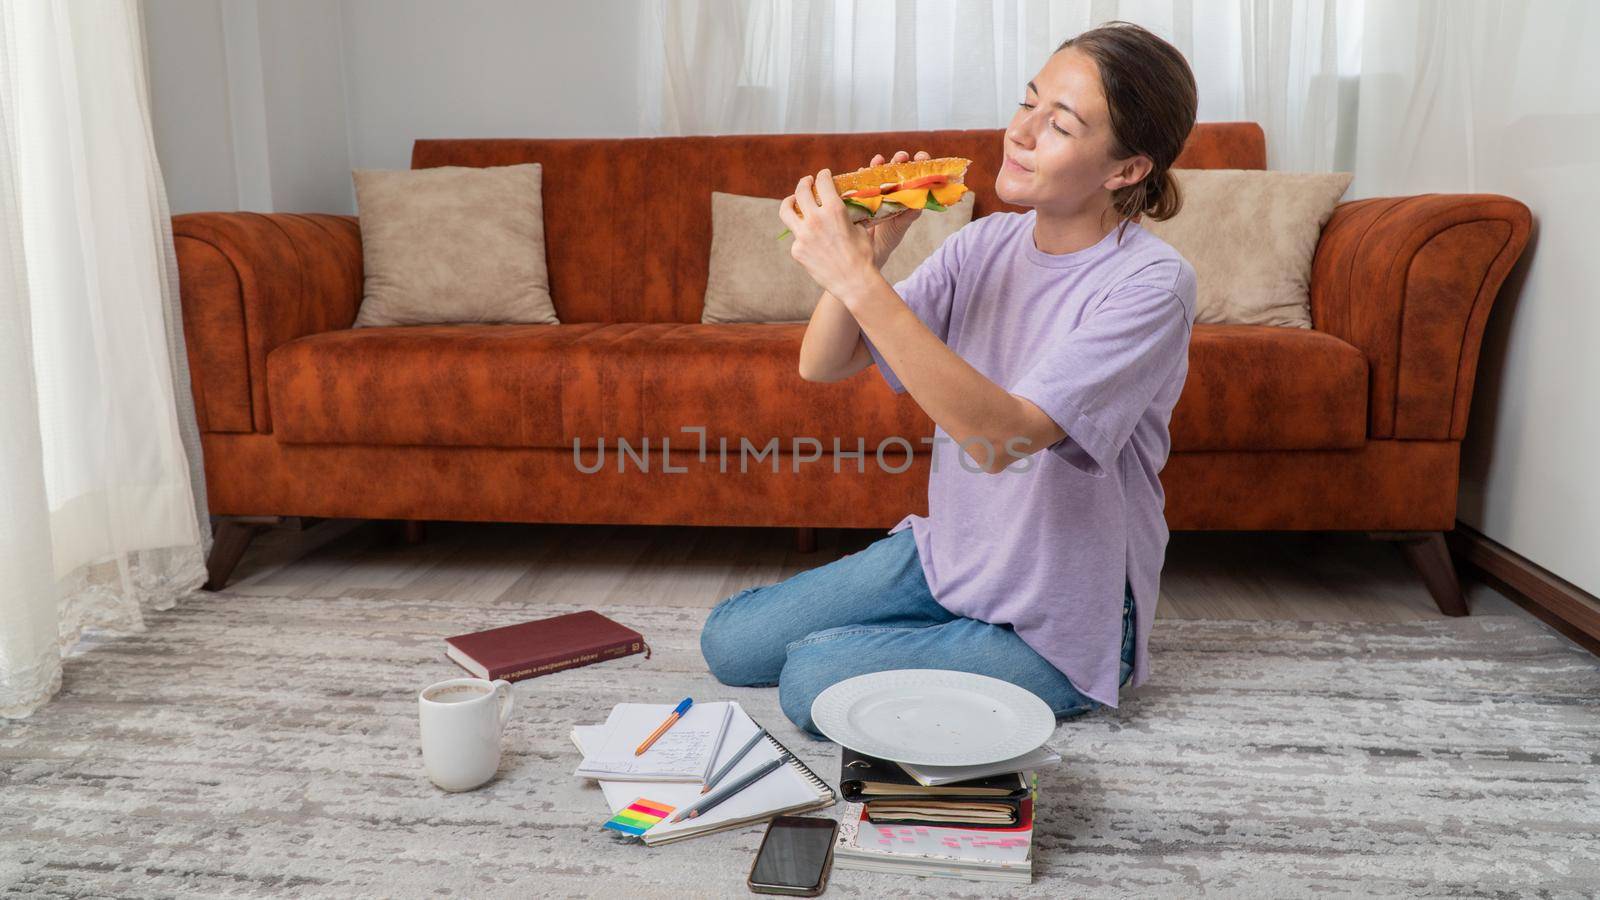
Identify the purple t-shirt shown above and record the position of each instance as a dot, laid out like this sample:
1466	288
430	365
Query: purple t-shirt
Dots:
1099	340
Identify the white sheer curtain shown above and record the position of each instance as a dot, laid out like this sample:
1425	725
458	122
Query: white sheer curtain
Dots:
753	66
102	506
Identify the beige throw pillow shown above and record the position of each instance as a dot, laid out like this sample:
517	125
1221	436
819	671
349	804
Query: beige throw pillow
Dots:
453	244
1250	235
753	278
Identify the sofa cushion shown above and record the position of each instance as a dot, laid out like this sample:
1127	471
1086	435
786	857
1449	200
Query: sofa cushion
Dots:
1250	387
1258	387
449	385
1251	237
455	244
546	385
737	380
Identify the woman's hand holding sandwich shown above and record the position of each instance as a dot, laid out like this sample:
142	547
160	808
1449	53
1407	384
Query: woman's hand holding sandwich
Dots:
838	255
886	236
832	349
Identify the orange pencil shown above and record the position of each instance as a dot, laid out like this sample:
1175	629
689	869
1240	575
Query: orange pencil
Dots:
676	715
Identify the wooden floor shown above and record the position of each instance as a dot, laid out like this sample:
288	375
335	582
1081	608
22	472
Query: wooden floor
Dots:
1312	576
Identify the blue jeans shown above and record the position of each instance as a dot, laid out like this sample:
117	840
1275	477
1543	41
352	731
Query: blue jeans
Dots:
872	611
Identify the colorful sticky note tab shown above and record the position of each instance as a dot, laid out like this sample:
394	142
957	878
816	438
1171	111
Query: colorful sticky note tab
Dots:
638	817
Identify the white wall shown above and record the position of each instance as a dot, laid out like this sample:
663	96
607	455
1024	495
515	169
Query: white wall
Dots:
189	104
303	104
269	105
486	69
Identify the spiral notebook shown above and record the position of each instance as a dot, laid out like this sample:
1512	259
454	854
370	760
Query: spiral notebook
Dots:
792	788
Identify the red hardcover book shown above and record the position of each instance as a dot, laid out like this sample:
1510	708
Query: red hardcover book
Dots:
531	649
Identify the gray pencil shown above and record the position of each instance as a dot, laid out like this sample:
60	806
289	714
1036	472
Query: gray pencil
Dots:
728	767
766	769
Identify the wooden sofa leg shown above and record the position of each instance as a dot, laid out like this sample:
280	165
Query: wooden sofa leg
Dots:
805	540
233	535
401	532
1428	554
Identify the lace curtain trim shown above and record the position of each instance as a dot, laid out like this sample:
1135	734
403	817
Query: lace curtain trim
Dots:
112	596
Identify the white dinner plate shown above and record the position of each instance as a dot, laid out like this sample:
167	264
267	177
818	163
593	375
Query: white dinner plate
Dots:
933	717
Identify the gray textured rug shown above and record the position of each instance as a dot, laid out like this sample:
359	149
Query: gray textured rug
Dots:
255	746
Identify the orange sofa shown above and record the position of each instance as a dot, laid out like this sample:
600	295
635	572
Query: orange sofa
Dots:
1355	424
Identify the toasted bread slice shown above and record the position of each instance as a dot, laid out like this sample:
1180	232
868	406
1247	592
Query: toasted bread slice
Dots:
953	167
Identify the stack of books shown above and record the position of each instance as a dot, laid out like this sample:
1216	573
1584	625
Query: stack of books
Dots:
972	822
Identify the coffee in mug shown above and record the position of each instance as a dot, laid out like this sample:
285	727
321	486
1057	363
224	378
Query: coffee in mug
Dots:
462	721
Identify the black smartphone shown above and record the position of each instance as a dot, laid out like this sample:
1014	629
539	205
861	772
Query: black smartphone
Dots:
795	856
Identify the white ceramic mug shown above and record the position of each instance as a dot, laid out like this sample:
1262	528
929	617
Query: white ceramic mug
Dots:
462	720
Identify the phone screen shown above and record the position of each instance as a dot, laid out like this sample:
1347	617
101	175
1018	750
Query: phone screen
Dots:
794	852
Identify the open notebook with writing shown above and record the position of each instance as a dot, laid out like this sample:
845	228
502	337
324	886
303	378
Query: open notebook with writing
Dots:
792	788
685	752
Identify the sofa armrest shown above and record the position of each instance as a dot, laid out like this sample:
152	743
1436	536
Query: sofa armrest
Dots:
248	283
1409	281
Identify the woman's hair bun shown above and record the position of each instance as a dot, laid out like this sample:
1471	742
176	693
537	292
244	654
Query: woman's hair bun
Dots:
1163	200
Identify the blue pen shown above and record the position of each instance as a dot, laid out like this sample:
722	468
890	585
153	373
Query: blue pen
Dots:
676	715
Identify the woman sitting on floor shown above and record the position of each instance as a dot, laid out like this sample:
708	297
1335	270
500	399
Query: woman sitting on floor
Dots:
1064	329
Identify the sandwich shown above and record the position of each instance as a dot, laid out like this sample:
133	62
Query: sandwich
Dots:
879	193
